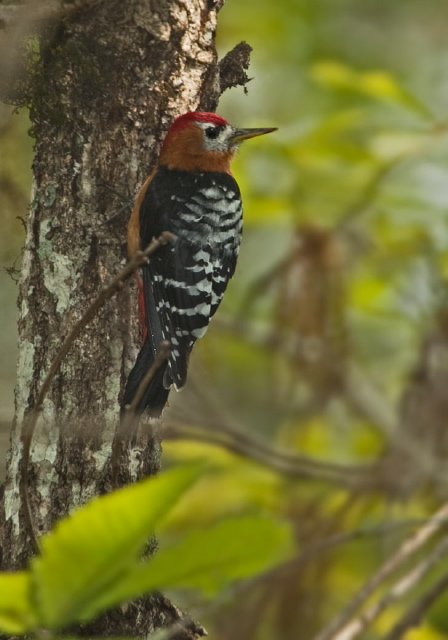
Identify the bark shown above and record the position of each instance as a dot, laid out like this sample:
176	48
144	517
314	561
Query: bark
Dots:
111	78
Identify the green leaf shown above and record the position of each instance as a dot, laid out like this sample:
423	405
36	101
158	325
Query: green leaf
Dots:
89	552
16	611
208	558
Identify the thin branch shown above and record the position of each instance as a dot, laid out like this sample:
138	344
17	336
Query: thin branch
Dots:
321	546
413	616
244	443
406	549
359	392
162	355
115	216
106	294
280	461
364	396
130	410
240	589
403	586
29	424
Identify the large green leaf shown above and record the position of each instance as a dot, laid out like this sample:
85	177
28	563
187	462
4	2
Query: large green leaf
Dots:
16	611
89	552
208	558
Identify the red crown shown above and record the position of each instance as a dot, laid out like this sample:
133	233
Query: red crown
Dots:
196	116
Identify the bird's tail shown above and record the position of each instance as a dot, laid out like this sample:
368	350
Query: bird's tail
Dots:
155	395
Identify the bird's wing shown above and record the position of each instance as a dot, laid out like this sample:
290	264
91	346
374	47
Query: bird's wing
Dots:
177	281
185	281
224	266
183	292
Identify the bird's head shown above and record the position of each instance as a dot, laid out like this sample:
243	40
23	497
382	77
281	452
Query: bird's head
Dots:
203	141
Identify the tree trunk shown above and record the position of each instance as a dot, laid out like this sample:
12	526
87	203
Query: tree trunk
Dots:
111	77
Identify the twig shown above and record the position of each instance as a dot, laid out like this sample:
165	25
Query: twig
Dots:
365	398
126	199
30	421
162	355
358	391
405	584
321	546
130	410
413	616
281	461
116	215
406	549
276	573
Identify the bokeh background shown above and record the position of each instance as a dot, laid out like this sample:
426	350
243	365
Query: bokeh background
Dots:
332	342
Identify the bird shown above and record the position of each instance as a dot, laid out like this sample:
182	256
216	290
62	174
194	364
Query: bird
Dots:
192	194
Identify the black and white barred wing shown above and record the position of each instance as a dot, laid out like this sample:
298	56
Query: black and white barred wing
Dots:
223	224
189	277
182	287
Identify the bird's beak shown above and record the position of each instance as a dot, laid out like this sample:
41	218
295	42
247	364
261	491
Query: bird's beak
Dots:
239	135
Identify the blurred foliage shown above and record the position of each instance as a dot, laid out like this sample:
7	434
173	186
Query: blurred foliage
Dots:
332	341
92	560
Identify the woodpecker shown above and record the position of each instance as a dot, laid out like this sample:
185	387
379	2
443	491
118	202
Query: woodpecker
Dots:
193	194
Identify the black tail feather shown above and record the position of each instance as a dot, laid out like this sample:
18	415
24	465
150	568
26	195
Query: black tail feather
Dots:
155	396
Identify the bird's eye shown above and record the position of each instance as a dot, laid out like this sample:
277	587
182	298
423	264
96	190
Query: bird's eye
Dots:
212	132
